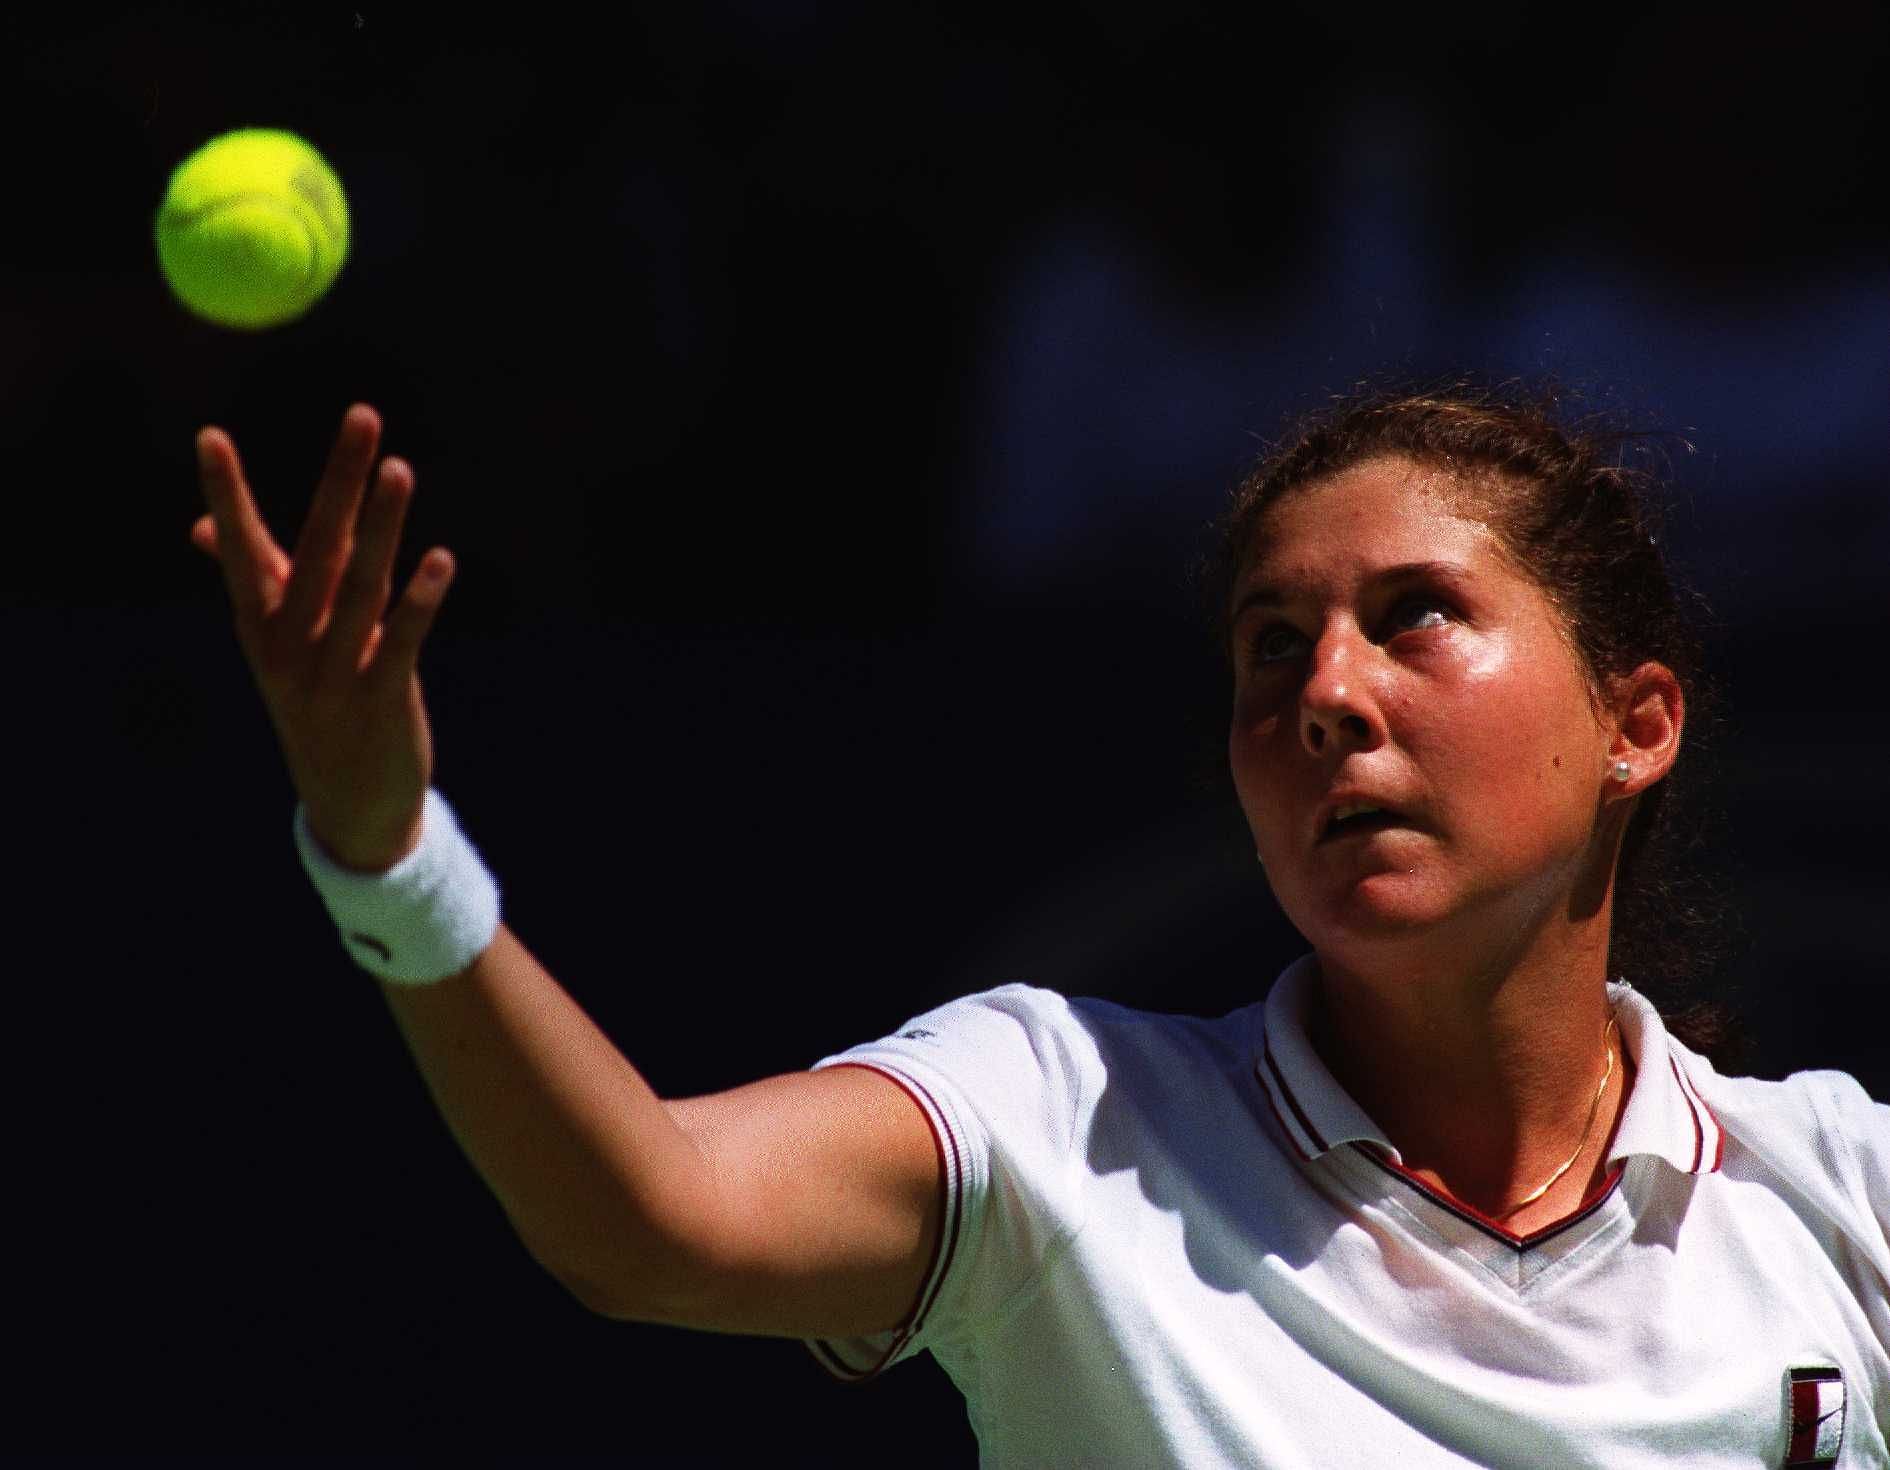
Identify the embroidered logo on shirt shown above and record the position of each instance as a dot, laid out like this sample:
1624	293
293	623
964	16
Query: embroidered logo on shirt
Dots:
1814	1405
917	1033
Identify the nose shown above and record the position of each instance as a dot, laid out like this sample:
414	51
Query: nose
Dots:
1336	711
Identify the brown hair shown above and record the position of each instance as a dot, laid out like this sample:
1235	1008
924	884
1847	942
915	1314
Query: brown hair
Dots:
1583	523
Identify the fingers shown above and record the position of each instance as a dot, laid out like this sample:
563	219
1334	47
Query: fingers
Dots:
407	627
368	576
281	602
323	549
203	536
243	542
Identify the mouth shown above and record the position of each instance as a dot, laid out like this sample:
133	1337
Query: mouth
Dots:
1362	825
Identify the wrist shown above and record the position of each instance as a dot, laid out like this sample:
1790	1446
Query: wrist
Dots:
369	859
425	917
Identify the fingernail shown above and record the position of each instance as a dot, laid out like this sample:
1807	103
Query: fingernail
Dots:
205	460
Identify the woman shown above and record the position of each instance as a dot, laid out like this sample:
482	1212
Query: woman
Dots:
1448	1193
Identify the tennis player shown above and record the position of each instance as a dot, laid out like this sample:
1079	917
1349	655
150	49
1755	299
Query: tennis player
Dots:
1454	1191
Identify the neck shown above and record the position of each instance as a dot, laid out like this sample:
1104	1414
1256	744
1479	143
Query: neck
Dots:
1484	1083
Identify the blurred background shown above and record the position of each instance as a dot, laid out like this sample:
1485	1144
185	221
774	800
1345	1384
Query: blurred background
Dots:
823	403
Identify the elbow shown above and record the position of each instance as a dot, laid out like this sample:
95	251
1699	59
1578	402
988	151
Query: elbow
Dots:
611	1300
590	1293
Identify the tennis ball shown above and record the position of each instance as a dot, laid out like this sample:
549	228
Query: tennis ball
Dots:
253	229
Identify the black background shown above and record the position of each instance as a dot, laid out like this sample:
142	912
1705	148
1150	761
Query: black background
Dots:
822	403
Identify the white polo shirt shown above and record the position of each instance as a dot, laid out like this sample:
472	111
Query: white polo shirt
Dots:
1172	1241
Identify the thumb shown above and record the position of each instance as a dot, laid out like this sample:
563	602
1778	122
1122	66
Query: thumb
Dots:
203	536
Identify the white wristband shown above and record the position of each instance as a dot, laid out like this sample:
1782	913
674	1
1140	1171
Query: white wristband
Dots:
426	918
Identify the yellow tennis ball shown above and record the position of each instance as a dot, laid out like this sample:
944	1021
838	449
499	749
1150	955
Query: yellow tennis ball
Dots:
253	229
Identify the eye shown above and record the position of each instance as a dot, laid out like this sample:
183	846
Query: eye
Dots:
1261	645
1420	600
1257	644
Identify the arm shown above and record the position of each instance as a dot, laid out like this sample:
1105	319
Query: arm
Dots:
803	1205
799	1205
581	1154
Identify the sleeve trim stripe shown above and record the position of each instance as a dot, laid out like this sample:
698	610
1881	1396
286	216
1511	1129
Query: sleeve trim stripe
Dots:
952	1161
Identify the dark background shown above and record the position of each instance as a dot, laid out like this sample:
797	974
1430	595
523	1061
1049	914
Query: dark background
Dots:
823	403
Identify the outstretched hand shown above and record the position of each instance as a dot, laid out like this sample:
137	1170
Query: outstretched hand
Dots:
342	688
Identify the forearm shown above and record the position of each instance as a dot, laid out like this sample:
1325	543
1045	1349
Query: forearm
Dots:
602	1186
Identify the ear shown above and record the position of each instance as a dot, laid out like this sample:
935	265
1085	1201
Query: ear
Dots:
1648	714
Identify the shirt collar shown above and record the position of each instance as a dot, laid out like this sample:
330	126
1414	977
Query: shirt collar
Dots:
1665	1114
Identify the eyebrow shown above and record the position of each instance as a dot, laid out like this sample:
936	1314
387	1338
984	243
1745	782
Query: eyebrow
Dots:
1265	595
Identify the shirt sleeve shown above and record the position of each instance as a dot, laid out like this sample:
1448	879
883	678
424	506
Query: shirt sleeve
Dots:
1001	1077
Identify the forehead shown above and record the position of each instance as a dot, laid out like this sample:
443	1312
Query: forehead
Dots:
1381	513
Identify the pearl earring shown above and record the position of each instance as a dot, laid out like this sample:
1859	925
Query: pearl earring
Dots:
1621	771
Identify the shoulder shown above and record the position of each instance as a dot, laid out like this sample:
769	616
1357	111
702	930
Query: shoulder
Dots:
1845	1116
1009	1058
1818	1122
1819	1100
996	1026
1084	1033
1173	1049
1022	1015
1025	1049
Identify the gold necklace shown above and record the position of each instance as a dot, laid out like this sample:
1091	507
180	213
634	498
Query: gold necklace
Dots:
1593	1109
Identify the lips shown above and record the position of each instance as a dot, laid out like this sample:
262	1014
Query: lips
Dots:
1327	830
1360	825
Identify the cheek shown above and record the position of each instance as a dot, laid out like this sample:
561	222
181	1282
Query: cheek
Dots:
1251	734
1250	705
1510	763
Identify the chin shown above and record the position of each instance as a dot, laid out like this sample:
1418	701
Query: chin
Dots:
1379	906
